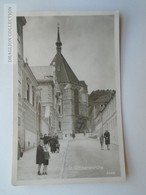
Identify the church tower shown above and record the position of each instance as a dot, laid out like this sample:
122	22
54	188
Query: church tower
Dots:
74	93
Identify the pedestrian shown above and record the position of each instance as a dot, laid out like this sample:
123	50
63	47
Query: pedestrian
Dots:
40	155
46	158
53	144
101	141
73	135
107	139
57	145
46	139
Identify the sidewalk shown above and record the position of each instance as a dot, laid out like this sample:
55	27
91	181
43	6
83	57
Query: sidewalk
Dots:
112	146
27	167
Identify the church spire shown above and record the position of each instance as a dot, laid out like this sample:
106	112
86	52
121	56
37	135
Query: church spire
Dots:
58	43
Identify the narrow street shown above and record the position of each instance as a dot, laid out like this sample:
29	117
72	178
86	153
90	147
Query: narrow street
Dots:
85	159
27	167
78	158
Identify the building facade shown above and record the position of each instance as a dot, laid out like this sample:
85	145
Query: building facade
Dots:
30	119
103	116
67	103
109	119
74	93
51	99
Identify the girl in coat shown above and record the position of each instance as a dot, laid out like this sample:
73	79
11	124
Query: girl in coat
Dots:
40	156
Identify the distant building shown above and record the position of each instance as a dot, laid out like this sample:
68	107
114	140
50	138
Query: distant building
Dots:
109	119
103	113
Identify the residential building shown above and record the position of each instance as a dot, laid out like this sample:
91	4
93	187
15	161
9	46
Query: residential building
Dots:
103	113
29	100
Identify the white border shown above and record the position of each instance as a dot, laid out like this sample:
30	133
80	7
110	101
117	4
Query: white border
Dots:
119	118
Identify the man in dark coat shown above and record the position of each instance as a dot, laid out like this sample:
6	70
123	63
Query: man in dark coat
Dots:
40	155
53	144
107	139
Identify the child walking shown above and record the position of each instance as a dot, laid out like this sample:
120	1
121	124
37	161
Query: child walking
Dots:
40	155
46	158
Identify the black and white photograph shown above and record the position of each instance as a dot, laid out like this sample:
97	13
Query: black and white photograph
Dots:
67	101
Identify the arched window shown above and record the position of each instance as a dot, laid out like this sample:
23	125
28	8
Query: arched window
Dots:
60	125
28	91
76	102
33	96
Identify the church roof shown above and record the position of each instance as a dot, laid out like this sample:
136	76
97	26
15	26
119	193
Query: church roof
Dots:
63	71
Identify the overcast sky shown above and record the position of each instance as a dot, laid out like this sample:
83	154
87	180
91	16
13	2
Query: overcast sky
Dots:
87	45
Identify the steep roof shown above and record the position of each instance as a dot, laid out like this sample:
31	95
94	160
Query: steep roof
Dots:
64	73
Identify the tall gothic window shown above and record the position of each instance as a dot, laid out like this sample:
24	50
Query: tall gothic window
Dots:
59	109
76	102
19	85
33	96
19	45
60	125
28	91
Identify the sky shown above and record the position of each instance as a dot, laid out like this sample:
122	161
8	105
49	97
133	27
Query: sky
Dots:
87	45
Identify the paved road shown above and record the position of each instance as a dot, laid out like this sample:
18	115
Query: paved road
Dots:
78	158
27	168
85	159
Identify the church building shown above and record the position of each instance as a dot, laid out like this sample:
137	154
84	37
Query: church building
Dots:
70	99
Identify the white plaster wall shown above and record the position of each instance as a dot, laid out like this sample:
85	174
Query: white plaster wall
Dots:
31	138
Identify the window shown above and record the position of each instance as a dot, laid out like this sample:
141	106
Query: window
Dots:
58	67
33	96
59	125
28	86
19	83
76	102
28	143
59	109
19	121
19	42
19	88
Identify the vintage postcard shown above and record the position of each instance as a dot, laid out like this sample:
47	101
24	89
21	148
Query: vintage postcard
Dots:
67	106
